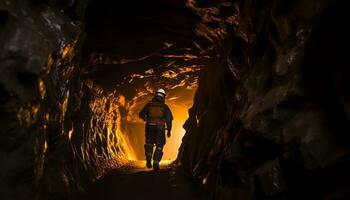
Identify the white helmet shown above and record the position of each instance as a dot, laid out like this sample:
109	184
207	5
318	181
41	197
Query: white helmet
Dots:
161	93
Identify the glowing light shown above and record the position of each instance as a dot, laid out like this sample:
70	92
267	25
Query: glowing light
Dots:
184	56
70	133
204	181
180	84
173	98
68	50
64	105
27	115
107	114
169	74
179	108
150	71
45	147
180	70
42	88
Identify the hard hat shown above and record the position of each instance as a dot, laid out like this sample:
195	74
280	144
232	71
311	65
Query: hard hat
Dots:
161	93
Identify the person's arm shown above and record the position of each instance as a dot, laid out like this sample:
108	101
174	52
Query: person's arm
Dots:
168	119
143	113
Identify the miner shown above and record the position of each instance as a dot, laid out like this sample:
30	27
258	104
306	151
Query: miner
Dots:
158	118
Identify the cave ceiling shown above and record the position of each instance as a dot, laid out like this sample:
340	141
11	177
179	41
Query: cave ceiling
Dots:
136	47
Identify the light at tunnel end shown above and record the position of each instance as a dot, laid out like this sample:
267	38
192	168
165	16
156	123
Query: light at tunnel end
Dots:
179	102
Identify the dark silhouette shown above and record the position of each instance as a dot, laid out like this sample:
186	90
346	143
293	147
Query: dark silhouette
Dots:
156	114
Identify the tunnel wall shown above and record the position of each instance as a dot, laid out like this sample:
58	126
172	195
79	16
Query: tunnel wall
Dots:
270	118
58	130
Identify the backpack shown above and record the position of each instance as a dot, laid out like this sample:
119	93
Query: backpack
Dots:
156	113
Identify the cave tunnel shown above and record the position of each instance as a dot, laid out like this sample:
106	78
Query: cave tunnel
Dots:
259	91
133	50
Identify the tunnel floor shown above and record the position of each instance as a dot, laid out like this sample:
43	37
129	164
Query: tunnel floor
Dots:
134	182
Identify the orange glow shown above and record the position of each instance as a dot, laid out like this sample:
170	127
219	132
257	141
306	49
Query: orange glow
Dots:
27	115
180	113
132	127
132	94
105	125
179	101
42	88
180	85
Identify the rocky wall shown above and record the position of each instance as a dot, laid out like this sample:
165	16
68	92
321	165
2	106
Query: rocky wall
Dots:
58	131
270	118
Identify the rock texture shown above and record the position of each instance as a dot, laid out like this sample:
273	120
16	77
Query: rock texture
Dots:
270	119
58	131
133	50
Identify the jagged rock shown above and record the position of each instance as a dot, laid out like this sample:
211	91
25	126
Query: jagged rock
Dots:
277	94
270	118
271	178
47	146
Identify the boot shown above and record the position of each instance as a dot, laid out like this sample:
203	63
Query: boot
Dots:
148	153
157	157
155	165
149	163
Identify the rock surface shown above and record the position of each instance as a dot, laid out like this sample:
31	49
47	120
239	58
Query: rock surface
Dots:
270	118
271	115
58	131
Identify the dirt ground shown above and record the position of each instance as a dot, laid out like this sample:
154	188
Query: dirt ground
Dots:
135	182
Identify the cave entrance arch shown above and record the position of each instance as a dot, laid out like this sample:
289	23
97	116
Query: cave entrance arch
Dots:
132	50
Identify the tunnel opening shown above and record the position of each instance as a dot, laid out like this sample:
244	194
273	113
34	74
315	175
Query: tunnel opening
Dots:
131	51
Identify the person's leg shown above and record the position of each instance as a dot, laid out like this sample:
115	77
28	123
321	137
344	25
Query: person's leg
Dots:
160	141
157	157
149	143
148	152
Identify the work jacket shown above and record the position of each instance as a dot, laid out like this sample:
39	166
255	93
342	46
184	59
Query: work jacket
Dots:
156	112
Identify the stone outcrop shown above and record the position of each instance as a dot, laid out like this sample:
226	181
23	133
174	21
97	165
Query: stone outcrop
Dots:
58	131
271	115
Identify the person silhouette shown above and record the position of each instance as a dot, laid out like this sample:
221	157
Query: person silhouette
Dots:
158	118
